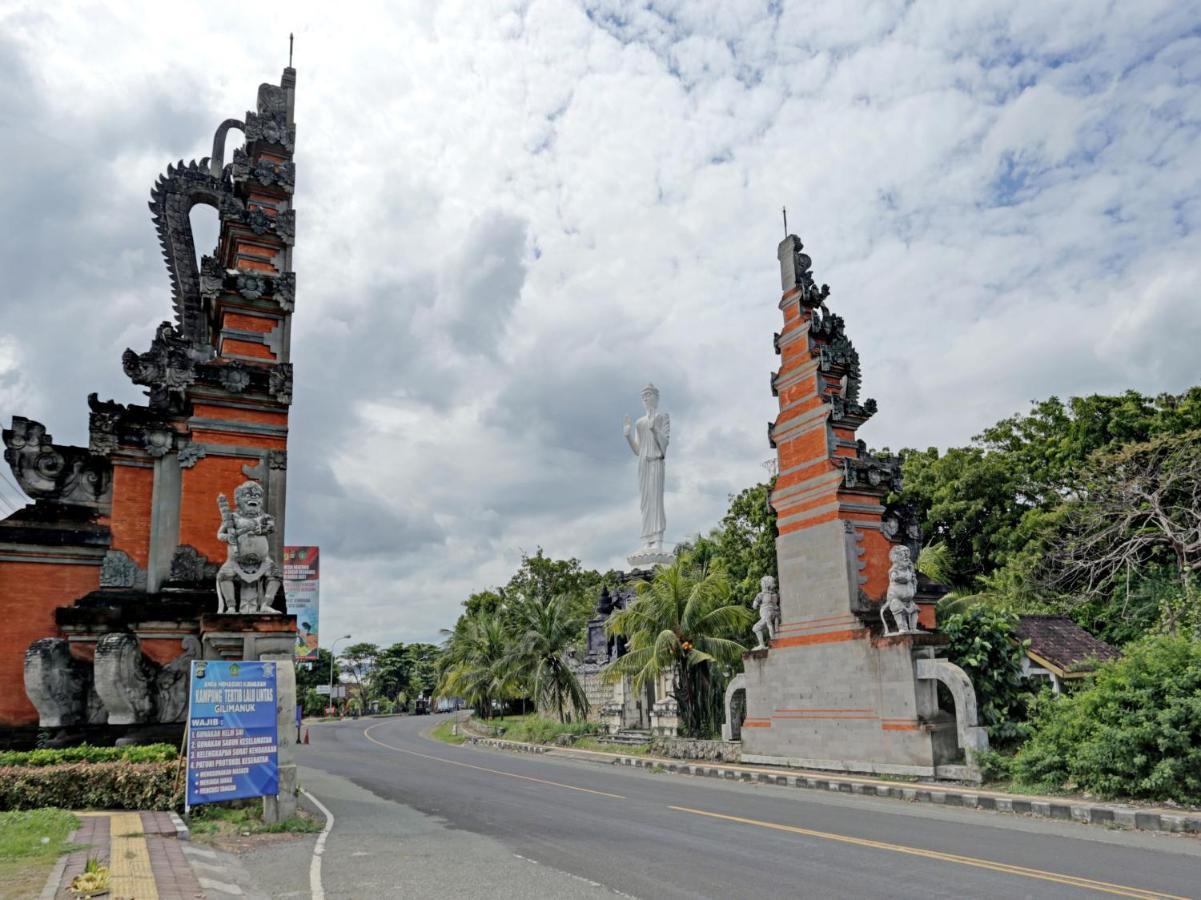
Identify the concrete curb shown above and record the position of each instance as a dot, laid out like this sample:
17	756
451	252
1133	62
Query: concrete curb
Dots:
182	832
513	746
1127	817
54	879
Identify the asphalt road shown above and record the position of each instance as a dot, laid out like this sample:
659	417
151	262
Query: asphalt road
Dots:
632	832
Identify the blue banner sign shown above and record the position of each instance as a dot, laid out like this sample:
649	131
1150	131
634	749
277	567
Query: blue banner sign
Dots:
233	736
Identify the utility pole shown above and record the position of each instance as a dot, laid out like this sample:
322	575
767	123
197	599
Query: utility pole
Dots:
333	658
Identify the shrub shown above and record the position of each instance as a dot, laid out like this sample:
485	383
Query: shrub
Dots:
540	730
82	785
1135	731
89	754
982	643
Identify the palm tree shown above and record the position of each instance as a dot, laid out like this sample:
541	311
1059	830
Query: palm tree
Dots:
686	627
545	629
476	663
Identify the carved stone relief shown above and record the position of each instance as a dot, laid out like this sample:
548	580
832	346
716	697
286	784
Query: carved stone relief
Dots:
47	471
57	684
280	382
118	570
190	566
190	454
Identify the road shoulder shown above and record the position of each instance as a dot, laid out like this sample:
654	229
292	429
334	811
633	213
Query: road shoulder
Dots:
378	847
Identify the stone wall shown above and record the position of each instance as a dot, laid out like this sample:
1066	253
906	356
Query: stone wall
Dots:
687	748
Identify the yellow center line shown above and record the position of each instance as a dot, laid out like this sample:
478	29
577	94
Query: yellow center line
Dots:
453	762
1070	880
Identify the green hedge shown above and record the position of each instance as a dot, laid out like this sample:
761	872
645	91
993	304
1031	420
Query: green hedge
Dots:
84	785
86	753
1134	732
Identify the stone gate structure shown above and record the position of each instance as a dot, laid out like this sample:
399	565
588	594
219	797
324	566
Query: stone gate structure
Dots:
849	680
107	578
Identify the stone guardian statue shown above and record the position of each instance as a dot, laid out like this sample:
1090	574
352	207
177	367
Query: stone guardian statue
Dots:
249	579
767	601
902	588
648	439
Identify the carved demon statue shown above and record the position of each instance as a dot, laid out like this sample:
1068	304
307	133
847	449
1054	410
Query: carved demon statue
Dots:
249	579
902	587
767	601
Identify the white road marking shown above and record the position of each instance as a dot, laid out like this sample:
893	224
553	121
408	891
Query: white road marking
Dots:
199	863
315	887
191	850
211	885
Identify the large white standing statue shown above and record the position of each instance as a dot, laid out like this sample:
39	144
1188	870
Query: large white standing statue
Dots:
648	439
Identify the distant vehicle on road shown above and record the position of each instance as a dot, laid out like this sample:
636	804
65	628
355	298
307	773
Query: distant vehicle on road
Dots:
421	707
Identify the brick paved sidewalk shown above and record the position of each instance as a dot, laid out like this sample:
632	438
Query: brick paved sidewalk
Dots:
142	851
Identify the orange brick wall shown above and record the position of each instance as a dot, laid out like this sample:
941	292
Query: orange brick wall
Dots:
246	348
133	492
162	650
29	594
230	414
244	322
199	517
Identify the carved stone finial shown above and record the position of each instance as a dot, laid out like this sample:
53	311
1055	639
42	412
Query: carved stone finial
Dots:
180	188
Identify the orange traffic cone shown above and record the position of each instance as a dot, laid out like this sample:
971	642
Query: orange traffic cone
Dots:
306	736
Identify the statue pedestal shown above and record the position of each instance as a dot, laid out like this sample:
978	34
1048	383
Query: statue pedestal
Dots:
262	636
647	559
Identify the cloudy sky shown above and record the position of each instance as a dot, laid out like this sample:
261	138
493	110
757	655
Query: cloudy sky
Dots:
513	215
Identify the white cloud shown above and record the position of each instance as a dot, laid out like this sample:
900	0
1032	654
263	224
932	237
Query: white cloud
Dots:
513	215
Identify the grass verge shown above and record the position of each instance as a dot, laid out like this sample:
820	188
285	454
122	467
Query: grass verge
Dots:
30	842
229	822
591	743
448	733
531	729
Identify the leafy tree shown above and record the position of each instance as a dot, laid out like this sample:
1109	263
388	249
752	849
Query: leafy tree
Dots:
984	645
360	658
314	704
546	629
1134	731
996	500
1137	507
310	675
686	628
743	546
424	668
483	602
540	578
968	501
393	671
746	540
